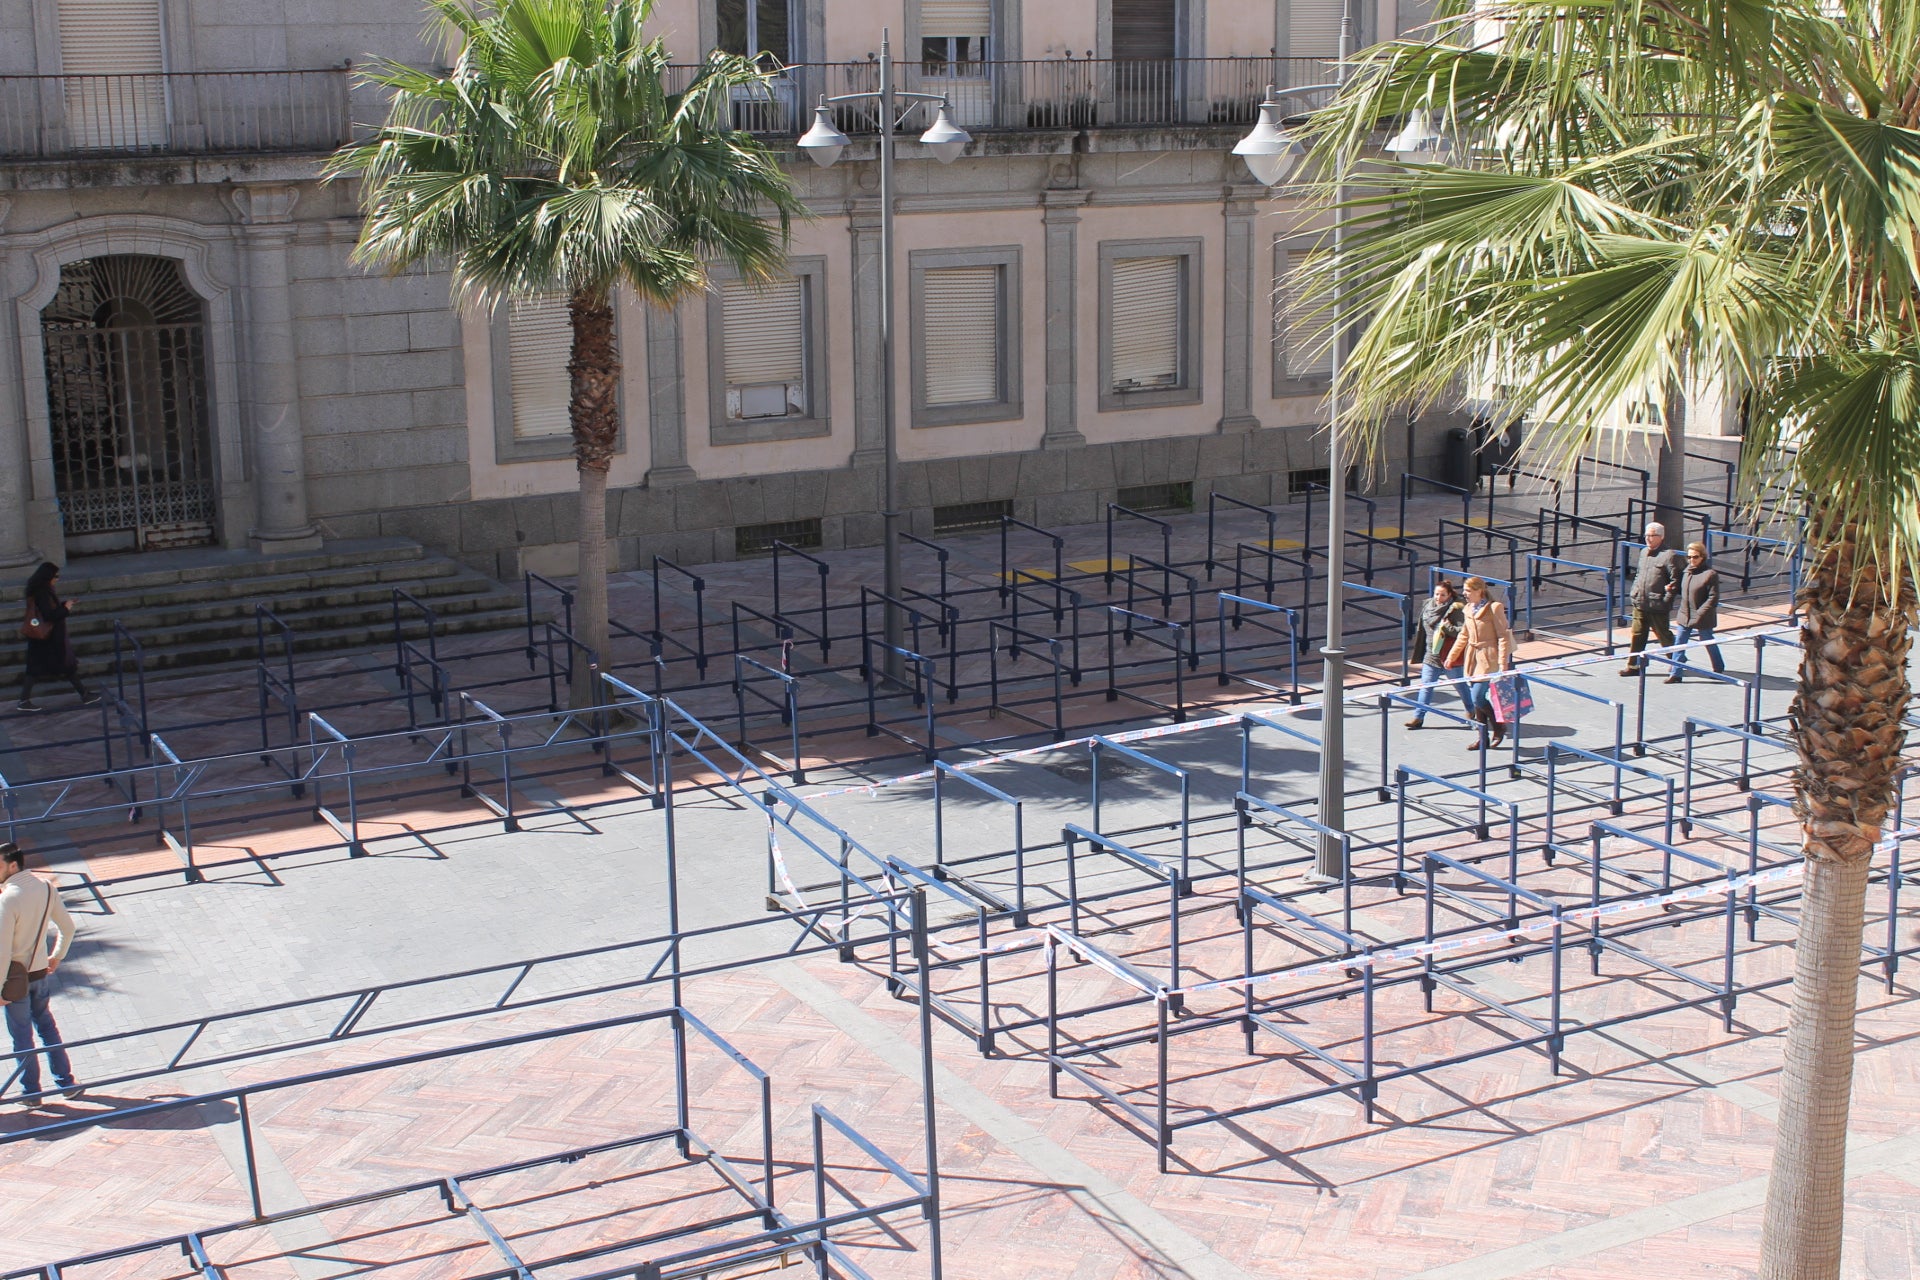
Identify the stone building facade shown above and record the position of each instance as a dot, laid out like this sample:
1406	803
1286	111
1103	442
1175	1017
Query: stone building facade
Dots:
1085	300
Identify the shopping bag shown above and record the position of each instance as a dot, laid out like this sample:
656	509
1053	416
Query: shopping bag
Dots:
1510	696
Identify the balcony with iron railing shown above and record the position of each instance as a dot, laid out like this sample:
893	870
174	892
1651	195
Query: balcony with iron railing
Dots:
1046	94
196	113
213	113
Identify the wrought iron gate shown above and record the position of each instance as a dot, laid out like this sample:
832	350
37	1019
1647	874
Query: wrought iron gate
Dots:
125	342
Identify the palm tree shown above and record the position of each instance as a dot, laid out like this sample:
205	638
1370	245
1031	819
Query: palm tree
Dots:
554	157
1643	191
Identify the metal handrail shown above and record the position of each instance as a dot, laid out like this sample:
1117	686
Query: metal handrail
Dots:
175	113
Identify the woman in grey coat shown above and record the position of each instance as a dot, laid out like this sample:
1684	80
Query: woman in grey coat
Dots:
1696	609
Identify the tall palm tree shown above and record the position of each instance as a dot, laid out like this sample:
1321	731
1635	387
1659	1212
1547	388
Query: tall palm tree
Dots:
1639	192
556	157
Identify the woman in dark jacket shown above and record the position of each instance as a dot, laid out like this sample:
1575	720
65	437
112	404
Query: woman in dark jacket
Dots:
51	656
1696	610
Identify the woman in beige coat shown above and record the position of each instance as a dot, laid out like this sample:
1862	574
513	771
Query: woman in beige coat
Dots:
1485	649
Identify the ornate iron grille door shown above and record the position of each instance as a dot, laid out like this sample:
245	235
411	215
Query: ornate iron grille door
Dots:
126	395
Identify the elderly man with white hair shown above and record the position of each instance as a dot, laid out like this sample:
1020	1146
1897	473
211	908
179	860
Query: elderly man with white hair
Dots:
1652	595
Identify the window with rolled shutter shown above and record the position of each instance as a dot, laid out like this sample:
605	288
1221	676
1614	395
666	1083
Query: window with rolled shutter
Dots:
953	36
960	335
1313	28
1144	323
1144	29
539	345
112	55
765	353
1305	352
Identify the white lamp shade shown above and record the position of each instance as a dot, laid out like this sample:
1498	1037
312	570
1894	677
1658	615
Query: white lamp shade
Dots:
1419	137
823	142
945	138
1269	150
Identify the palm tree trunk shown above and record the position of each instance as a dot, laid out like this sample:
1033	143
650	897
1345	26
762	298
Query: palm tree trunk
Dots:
1847	719
595	415
1670	478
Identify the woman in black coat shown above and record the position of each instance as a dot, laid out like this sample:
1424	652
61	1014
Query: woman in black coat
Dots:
50	656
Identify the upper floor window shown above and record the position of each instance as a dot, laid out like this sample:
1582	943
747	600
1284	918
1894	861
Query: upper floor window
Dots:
766	355
1302	345
1150	326
1146	30
766	348
539	346
1144	323
112	54
954	35
966	326
754	28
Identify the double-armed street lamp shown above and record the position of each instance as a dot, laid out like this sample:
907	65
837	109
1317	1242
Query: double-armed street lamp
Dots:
824	142
1271	150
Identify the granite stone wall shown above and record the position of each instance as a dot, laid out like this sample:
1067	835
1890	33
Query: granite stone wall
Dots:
694	523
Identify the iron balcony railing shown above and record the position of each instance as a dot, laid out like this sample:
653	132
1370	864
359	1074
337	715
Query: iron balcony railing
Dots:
1054	93
263	112
183	113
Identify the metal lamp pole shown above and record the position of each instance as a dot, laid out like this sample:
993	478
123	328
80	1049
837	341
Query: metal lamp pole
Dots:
824	142
1271	152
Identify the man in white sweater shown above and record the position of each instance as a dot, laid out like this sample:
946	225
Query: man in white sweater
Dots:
28	905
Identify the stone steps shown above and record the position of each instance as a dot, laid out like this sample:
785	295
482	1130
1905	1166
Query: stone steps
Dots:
196	609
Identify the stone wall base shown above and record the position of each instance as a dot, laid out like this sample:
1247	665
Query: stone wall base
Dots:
693	523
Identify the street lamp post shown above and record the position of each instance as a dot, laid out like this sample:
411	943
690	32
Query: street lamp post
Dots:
824	142
1270	151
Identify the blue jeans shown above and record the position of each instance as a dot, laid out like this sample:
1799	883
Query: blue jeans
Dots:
1685	634
24	1017
1431	674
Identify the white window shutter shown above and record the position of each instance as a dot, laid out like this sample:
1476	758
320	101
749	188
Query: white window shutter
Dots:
1145	338
539	345
956	17
1304	343
960	334
113	52
765	347
1313	28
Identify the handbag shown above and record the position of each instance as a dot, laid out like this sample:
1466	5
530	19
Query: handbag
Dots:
35	627
1510	696
18	976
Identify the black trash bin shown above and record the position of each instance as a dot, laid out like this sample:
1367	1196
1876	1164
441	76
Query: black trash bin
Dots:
1456	459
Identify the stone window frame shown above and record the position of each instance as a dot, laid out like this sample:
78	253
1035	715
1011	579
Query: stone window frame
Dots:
1284	384
721	430
507	447
1192	323
1010	406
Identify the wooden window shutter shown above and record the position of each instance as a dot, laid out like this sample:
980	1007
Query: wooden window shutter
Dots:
765	347
1145	337
112	52
960	334
1306	352
539	345
956	17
